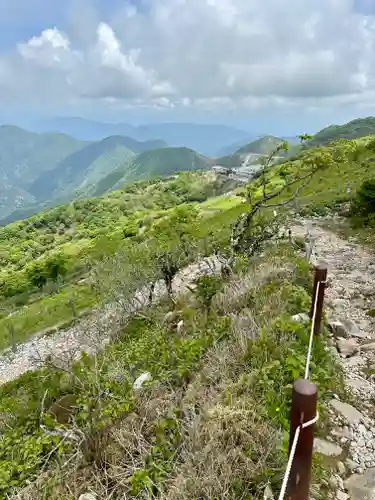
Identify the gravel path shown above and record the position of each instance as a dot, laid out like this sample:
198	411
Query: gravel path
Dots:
350	295
91	333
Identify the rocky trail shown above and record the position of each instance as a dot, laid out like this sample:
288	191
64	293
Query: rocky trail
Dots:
349	306
94	331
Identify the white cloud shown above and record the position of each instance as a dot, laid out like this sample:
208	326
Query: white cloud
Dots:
203	53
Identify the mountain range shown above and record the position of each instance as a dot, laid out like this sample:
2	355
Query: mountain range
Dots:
360	127
207	139
39	170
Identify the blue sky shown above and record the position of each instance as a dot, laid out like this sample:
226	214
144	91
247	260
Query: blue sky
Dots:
277	66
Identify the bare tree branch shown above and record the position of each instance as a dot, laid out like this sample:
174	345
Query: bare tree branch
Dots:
251	231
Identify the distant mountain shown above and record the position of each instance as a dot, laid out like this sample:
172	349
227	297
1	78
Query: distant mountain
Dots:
263	146
206	139
230	161
81	171
250	153
83	129
155	163
96	168
39	167
235	146
360	127
24	156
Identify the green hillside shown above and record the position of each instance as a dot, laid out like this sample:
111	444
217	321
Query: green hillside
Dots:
80	171
163	162
24	156
84	228
328	188
75	228
262	146
360	127
44	169
231	161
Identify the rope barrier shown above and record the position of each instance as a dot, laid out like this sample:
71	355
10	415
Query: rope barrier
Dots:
293	451
313	321
303	425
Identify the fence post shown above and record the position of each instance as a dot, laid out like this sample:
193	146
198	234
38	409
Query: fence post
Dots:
304	402
321	278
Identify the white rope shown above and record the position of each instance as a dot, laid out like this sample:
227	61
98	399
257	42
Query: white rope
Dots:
293	451
308	357
314	420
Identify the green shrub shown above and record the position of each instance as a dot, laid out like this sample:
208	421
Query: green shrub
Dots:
371	146
363	204
206	288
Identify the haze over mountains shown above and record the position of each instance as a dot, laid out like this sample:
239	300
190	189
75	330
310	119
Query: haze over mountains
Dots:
206	139
42	169
39	170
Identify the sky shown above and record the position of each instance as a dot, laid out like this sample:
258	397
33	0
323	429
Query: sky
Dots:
275	66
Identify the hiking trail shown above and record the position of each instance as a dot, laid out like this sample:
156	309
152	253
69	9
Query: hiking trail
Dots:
349	302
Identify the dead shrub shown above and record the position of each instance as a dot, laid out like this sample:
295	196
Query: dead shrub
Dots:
228	455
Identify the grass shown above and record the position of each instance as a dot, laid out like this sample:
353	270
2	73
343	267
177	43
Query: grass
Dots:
212	423
327	189
221	203
47	312
56	309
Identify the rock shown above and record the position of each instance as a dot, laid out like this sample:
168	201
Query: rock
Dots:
180	327
145	377
339	304
353	364
360	385
368	347
341	495
326	448
332	482
361	486
170	317
352	465
351	414
301	318
338	329
88	496
268	494
340	483
341	468
341	432
345	328
347	347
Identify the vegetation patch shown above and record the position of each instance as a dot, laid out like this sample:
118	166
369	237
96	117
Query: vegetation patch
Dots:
213	421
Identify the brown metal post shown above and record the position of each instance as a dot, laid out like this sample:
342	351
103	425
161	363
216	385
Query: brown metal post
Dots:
304	402
321	278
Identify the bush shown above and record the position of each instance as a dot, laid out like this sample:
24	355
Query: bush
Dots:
206	288
363	204
371	145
